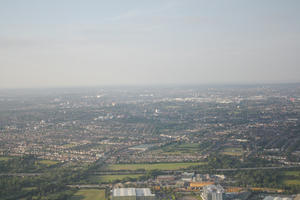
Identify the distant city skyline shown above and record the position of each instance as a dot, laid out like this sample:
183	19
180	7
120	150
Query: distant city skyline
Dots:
69	43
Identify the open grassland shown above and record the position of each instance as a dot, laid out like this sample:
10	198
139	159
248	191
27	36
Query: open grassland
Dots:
48	162
89	194
156	166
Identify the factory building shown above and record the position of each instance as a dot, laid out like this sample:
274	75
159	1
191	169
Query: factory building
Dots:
132	194
212	192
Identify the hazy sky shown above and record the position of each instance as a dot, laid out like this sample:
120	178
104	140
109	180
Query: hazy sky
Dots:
53	43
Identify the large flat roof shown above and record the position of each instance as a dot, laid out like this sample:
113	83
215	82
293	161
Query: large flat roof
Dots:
132	192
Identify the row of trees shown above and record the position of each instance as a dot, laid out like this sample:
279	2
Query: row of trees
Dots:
51	185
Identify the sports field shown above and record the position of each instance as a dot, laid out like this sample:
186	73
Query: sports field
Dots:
89	194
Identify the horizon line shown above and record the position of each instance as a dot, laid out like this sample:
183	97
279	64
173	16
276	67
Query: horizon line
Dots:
150	85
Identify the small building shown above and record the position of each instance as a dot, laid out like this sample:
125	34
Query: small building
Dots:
132	194
187	177
163	178
213	192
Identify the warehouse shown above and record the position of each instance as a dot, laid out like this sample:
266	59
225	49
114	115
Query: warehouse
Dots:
132	194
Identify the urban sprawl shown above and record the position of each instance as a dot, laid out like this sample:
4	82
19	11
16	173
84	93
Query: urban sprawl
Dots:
212	142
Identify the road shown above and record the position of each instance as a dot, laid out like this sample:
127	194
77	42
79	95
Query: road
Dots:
255	168
20	174
188	170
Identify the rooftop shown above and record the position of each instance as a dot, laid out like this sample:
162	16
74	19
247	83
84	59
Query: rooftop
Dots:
214	188
132	192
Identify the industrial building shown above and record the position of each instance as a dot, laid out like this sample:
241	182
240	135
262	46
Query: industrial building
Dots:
277	198
199	185
212	192
132	194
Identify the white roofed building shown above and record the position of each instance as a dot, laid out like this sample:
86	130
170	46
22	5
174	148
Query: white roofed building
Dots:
132	194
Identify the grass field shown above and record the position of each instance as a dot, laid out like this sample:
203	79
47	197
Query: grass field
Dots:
181	148
70	145
29	188
89	194
111	178
158	166
194	197
291	177
48	162
292	173
233	151
292	182
4	158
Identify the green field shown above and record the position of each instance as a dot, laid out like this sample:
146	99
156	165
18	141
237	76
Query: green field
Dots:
292	182
89	194
292	173
233	151
111	178
193	197
29	188
48	162
181	148
157	166
70	145
4	158
291	177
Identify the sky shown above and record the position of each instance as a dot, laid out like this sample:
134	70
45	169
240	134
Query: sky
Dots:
67	43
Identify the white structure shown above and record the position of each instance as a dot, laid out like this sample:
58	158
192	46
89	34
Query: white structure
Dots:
187	177
132	194
212	192
277	198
